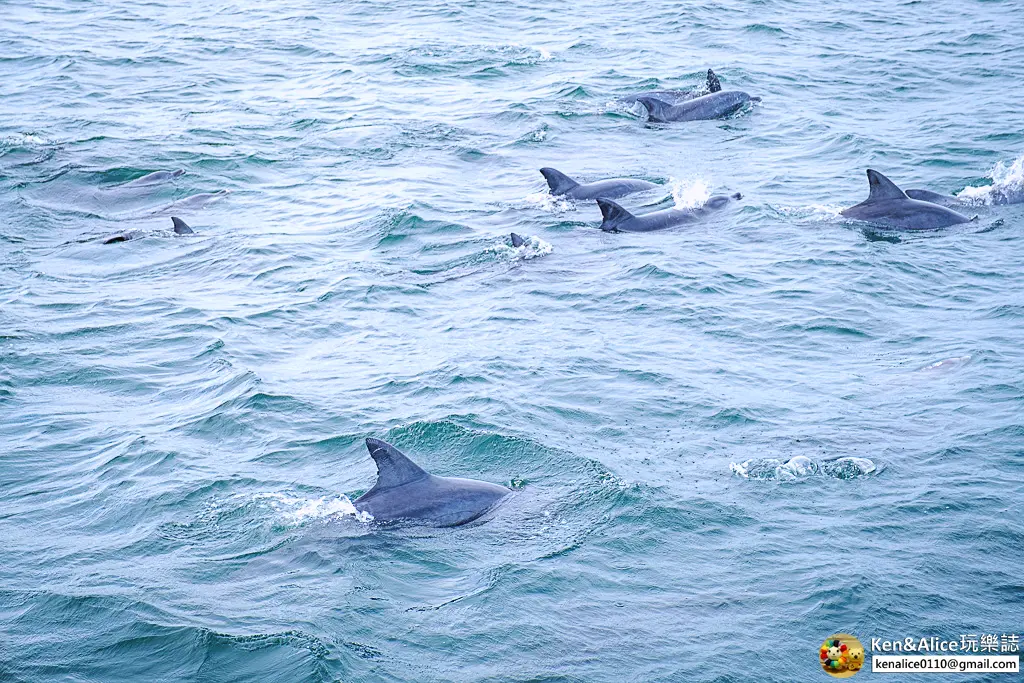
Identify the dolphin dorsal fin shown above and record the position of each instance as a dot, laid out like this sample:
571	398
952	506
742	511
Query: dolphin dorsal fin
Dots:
558	181
180	226
714	85
613	214
517	241
657	110
393	467
881	188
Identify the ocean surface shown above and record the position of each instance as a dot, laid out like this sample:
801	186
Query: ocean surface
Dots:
727	441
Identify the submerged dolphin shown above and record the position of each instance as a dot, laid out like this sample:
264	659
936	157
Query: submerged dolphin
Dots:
154	178
180	228
192	203
677	96
712	106
405	491
888	206
617	219
612	188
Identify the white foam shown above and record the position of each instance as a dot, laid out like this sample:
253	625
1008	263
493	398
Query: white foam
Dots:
296	510
1007	180
532	247
549	202
689	194
814	212
802	467
23	139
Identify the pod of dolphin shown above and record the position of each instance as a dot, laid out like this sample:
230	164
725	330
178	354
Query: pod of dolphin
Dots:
405	491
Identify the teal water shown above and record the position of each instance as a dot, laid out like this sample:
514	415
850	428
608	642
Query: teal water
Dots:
182	419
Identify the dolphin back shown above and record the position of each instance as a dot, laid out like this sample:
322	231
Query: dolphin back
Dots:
711	106
934	197
406	491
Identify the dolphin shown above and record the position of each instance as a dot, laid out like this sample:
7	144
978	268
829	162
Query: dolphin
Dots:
934	198
180	228
517	241
712	106
612	188
154	178
405	491
888	206
677	96
617	219
191	203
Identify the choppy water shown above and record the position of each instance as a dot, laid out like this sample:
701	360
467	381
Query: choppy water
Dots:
728	441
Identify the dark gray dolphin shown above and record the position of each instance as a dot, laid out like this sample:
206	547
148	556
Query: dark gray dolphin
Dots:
517	241
612	188
934	197
677	96
712	106
617	219
154	178
180	228
888	206
405	491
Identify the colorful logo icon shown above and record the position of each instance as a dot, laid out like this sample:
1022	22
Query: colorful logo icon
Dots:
841	655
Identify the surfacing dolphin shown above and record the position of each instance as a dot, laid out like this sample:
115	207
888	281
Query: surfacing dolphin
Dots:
406	491
154	178
712	106
617	219
180	228
888	206
677	96
613	188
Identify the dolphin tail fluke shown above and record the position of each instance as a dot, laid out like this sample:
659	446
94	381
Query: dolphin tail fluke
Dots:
881	188
613	214
517	241
558	181
656	109
393	467
180	226
714	85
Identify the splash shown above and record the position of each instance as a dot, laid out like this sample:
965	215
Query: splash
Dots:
802	467
533	247
689	194
296	510
1007	185
548	202
23	139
